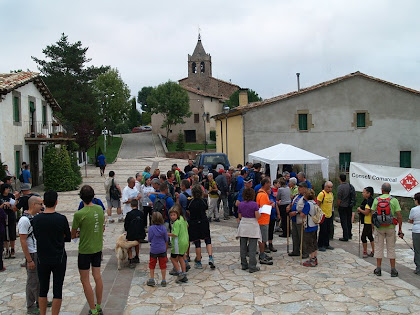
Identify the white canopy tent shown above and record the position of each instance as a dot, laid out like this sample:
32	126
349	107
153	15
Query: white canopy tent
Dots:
287	154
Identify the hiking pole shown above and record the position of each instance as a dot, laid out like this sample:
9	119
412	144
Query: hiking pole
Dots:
301	242
408	244
288	229
359	235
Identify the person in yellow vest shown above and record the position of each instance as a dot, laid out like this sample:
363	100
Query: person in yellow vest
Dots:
325	202
365	216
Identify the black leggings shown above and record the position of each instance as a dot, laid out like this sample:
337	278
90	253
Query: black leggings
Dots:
284	218
44	273
271	229
147	212
367	233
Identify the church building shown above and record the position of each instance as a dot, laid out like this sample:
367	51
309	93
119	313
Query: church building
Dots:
207	96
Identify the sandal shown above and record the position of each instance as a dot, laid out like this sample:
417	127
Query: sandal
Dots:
372	254
12	253
365	255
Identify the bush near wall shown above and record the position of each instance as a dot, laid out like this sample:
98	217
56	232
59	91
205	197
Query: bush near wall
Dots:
213	135
60	173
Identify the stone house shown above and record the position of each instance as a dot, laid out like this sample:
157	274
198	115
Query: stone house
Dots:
28	122
355	118
207	96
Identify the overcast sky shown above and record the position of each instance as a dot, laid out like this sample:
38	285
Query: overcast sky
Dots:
255	44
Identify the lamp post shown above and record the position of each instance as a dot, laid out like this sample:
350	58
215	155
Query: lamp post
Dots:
226	110
205	136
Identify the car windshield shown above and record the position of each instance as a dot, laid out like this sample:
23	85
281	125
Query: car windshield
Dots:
214	159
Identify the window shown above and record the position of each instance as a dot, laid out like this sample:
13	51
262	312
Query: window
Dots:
405	159
16	109
17	115
344	161
196	118
190	136
202	67
193	67
361	120
44	114
303	122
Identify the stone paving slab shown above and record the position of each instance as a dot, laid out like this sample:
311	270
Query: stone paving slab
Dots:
342	283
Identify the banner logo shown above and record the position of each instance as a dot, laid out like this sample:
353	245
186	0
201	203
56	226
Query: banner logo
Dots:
409	182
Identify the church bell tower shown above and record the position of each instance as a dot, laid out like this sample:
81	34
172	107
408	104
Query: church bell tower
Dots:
199	63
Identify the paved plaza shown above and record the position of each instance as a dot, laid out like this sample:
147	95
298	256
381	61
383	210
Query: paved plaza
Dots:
343	283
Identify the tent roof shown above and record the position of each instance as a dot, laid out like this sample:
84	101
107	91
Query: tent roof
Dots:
286	154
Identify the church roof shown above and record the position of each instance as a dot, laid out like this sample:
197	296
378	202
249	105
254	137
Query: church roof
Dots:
202	93
199	49
241	109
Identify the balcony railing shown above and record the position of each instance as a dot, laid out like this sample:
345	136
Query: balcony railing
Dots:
47	130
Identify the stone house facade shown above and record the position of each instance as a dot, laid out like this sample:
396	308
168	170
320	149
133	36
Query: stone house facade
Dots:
28	122
355	118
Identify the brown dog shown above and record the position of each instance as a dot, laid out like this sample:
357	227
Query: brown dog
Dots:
121	248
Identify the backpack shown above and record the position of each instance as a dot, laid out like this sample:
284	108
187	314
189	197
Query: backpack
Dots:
21	178
31	219
319	216
233	183
383	214
136	229
352	192
160	206
114	193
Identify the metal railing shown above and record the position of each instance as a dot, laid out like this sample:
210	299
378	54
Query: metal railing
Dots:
47	129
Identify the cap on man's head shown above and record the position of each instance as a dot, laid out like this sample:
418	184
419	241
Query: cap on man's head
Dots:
303	184
248	179
25	186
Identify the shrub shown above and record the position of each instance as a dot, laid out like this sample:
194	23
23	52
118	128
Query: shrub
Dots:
180	144
58	171
213	135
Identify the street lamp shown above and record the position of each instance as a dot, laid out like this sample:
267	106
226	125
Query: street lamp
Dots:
226	110
205	136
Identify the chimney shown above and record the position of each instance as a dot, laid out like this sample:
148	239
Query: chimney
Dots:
243	97
298	81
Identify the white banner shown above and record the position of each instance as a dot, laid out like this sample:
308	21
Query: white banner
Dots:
405	182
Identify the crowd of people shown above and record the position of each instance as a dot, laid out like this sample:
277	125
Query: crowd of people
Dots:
175	209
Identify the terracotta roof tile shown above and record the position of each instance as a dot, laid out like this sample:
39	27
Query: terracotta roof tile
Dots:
238	110
199	92
12	81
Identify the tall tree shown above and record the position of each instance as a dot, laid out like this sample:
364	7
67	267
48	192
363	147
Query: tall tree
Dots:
134	117
113	95
69	79
142	98
234	98
171	101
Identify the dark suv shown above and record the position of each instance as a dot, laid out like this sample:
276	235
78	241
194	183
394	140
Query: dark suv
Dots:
209	159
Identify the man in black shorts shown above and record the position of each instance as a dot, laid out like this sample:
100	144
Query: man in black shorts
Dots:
51	230
90	222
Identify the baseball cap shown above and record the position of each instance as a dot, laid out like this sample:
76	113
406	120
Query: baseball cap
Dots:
247	179
303	184
25	186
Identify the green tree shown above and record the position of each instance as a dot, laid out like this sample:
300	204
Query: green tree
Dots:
171	101
134	117
113	95
180	144
69	79
146	118
142	98
59	174
234	98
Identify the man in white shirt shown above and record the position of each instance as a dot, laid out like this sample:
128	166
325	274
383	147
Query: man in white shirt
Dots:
129	193
28	243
